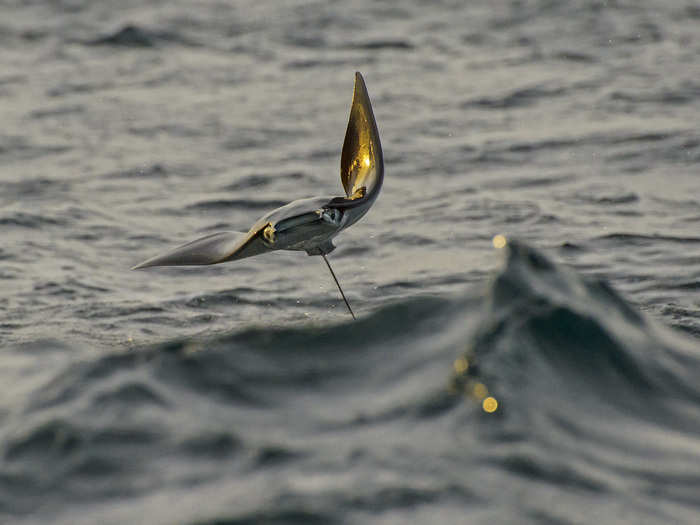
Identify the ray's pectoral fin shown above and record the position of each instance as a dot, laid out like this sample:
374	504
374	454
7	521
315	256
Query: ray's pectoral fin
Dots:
361	162
212	249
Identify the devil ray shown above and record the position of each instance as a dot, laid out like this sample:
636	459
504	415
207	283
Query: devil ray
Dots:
306	224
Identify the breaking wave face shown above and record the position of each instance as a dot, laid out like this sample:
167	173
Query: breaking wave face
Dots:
547	385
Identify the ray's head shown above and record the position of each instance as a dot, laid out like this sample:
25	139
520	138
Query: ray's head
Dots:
361	162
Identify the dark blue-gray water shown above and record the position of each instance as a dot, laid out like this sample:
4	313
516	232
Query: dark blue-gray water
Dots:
242	393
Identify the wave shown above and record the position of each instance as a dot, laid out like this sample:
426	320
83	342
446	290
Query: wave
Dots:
545	375
548	327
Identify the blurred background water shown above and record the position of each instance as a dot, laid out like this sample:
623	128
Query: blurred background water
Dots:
242	393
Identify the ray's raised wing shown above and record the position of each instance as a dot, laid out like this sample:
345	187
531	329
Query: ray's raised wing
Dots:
361	162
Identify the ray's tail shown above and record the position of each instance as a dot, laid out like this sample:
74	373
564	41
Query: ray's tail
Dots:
338	285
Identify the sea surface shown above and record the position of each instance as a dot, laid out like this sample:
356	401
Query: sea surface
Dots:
527	285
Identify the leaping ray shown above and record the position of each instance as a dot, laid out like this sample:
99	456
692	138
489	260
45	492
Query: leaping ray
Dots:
307	224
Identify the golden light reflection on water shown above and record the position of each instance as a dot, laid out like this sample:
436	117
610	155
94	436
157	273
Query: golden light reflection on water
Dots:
489	405
461	365
480	391
464	382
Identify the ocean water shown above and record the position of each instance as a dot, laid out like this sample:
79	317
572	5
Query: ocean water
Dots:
552	380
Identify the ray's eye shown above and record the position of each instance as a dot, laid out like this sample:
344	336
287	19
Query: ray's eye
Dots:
331	215
270	234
